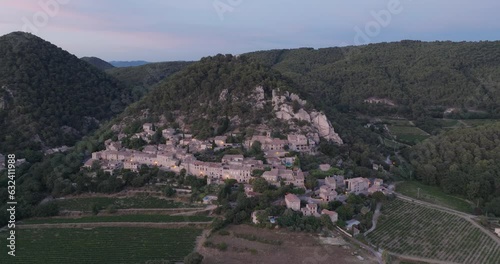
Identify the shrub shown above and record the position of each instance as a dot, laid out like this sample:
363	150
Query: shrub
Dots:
95	209
193	258
112	209
224	233
47	209
222	246
208	244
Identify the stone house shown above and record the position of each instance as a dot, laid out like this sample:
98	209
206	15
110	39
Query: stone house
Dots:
271	176
327	193
133	166
331	182
332	214
298	143
233	159
148	127
292	202
357	185
339	180
311	209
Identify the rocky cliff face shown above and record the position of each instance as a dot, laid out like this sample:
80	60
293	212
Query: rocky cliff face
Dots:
289	106
6	96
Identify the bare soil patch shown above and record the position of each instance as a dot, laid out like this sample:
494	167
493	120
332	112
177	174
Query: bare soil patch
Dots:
295	247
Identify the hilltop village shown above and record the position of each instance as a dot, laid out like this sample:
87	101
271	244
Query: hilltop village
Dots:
277	165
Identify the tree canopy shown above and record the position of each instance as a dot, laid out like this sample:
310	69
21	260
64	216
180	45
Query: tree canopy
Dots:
462	162
50	98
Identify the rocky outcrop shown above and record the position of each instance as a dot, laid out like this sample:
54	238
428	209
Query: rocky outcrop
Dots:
325	128
259	96
284	110
6	96
223	95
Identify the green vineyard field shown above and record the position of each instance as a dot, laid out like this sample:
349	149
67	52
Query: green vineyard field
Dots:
101	245
409	229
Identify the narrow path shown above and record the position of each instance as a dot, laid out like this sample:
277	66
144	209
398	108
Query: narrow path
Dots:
412	258
352	240
193	212
374	219
201	239
129	211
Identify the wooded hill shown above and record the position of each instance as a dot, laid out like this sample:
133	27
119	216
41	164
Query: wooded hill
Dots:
421	78
49	97
207	94
142	78
98	63
463	162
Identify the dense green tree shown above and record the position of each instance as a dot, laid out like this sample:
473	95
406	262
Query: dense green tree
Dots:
461	162
193	258
46	209
260	185
418	77
51	98
311	182
169	191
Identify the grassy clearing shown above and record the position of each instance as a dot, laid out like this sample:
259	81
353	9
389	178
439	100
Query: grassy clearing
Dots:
397	122
479	122
101	245
85	204
407	130
412	139
433	195
121	218
451	123
408	134
391	143
411	229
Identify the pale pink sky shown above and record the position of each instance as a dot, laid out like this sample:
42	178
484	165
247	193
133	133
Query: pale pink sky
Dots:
158	30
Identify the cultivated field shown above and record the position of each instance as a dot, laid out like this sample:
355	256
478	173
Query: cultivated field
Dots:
480	122
101	245
409	229
433	194
120	218
86	203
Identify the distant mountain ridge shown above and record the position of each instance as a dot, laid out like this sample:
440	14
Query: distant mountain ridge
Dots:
98	63
49	97
120	64
143	78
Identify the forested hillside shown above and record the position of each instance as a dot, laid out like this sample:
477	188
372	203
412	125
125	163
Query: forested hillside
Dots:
463	162
423	80
204	96
207	94
142	78
49	97
98	63
420	78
